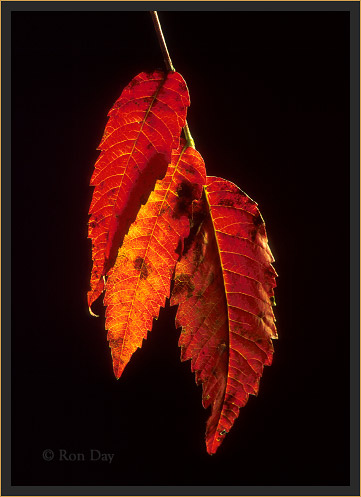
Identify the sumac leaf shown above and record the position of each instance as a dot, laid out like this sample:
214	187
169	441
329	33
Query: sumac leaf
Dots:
144	126
139	282
224	287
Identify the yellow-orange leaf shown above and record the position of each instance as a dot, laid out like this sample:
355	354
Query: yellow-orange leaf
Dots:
139	282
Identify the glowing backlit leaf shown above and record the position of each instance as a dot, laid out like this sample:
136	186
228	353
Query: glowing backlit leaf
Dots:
139	282
144	126
155	218
224	287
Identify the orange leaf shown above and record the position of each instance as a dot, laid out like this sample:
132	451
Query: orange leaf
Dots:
224	287
139	282
144	126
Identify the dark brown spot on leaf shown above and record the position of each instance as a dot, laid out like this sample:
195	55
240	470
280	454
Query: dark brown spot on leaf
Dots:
183	283
141	265
185	189
186	192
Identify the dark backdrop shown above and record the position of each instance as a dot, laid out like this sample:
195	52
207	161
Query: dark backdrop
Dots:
270	112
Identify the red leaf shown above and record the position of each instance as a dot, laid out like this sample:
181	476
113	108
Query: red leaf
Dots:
144	126
139	282
224	287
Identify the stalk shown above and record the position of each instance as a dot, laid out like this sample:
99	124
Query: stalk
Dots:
169	66
161	40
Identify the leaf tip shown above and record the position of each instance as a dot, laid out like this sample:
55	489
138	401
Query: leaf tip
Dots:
118	368
92	313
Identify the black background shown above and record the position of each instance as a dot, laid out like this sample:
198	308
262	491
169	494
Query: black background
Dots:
270	112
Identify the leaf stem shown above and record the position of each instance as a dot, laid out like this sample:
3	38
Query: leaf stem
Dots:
169	66
188	136
161	40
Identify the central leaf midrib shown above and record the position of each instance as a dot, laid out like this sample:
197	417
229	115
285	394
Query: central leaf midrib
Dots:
228	317
133	148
